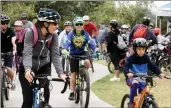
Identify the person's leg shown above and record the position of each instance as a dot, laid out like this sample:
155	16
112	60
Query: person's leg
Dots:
133	93
26	89
8	63
115	61
74	65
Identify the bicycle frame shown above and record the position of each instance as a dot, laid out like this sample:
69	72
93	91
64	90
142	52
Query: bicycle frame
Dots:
139	101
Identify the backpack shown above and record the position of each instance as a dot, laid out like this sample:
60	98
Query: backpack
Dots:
20	39
121	43
141	32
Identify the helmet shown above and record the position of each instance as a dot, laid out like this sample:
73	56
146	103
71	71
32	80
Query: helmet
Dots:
151	24
24	15
146	21
124	26
114	23
85	17
18	23
4	18
48	15
78	20
156	31
68	23
139	42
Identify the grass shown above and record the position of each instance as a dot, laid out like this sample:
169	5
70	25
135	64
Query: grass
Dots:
112	92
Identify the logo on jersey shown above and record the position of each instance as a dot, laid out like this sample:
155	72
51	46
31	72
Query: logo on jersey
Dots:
78	41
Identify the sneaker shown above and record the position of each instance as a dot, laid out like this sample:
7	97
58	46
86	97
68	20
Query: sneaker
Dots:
13	86
115	79
71	96
131	105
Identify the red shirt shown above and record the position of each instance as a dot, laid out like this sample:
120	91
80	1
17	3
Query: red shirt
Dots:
90	28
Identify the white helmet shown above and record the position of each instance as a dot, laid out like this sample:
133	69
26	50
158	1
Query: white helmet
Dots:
18	23
85	17
124	26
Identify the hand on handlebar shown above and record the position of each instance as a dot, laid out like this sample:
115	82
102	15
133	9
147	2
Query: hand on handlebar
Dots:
63	77
130	75
28	76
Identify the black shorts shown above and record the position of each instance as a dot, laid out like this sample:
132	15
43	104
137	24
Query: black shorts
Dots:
115	60
74	64
8	60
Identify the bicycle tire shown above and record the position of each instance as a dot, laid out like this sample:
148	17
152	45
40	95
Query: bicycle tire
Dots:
109	67
6	88
77	91
153	103
163	60
2	91
123	100
87	89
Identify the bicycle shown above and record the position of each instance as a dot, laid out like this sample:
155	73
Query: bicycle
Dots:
5	82
82	80
38	91
143	99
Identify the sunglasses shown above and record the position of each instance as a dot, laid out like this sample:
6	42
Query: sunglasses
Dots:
79	24
3	23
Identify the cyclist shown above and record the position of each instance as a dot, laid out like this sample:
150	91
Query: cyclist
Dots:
26	23
90	27
8	45
77	41
113	49
103	33
149	34
138	63
38	58
161	40
124	32
63	37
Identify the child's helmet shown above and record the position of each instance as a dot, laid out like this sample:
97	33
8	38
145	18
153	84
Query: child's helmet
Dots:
139	42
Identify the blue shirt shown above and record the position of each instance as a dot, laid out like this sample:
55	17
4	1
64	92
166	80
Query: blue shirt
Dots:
77	43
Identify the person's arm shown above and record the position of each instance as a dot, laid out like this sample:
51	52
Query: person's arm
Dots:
95	30
127	66
91	42
153	67
27	51
56	59
68	41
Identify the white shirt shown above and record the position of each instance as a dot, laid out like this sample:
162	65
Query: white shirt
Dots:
62	38
161	40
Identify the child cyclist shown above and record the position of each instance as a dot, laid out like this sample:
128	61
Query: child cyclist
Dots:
138	63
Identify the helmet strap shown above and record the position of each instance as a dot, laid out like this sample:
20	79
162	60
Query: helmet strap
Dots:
47	29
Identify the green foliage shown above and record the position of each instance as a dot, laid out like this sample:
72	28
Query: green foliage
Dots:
15	8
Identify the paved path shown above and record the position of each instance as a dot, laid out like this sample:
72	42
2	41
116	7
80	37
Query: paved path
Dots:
61	100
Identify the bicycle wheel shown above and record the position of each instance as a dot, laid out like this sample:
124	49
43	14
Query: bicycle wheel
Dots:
107	58
125	101
165	65
152	104
85	86
110	67
6	87
2	91
77	90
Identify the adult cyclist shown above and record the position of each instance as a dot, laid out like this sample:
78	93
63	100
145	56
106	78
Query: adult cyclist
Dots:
76	42
39	58
8	45
63	37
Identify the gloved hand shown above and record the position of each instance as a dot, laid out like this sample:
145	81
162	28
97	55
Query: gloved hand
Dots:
65	52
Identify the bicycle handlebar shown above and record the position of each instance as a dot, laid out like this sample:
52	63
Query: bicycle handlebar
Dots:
48	77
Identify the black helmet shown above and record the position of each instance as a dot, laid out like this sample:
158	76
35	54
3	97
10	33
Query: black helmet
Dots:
4	18
146	21
48	15
24	15
114	23
68	23
139	42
